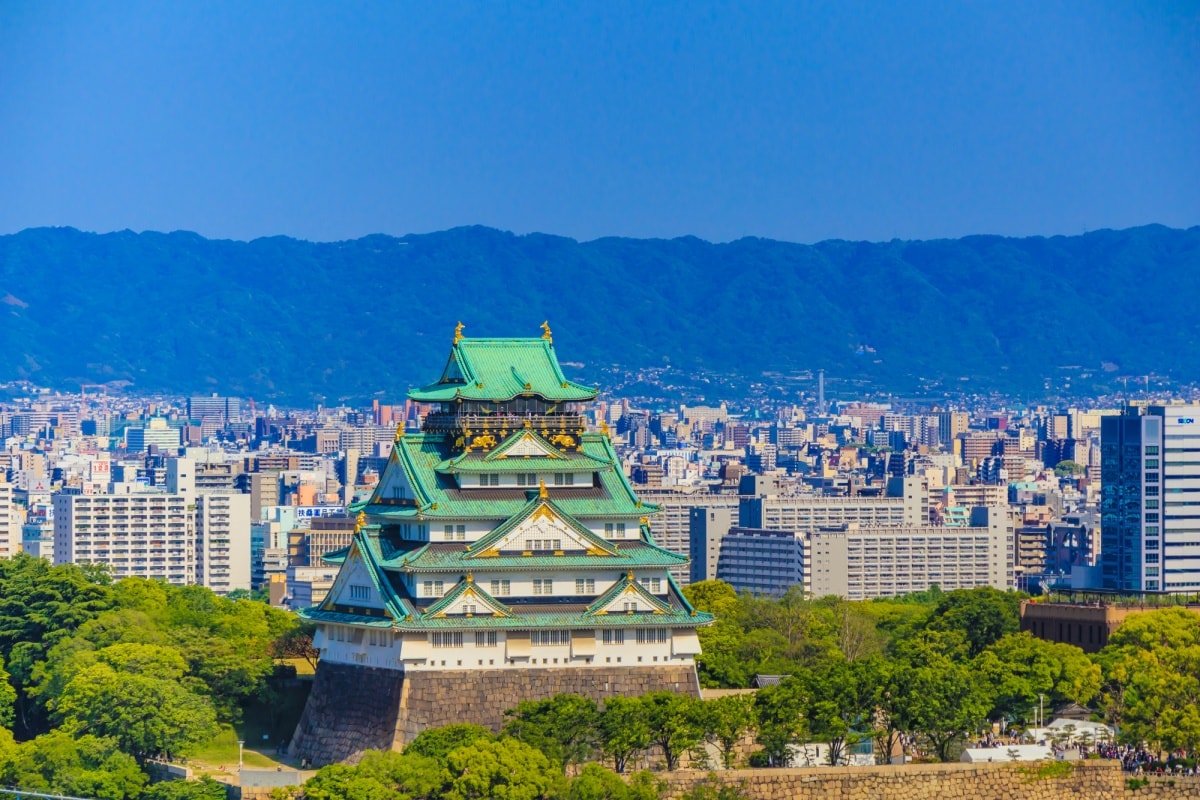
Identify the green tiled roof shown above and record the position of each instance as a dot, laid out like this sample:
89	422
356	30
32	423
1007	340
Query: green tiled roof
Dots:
454	558
436	495
501	369
474	462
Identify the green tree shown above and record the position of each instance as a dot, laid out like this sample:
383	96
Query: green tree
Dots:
1021	668
8	698
595	782
563	727
938	694
438	742
725	721
504	769
623	730
83	766
781	722
672	721
203	789
144	714
381	776
983	615
1151	669
1067	468
716	597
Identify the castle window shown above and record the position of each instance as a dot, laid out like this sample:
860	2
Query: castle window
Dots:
447	638
527	479
471	609
651	635
485	638
489	480
613	637
358	592
432	589
549	638
501	588
652	585
543	586
585	586
453	532
564	479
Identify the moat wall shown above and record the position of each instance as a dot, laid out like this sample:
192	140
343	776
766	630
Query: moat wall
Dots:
353	709
1087	780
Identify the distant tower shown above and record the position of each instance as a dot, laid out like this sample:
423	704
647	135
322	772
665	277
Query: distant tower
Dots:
821	391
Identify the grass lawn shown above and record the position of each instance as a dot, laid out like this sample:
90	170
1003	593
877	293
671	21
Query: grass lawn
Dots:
222	751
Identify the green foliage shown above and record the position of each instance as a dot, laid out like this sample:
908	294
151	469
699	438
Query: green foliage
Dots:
623	729
1067	468
390	775
724	721
1021	667
672	722
1048	770
438	742
505	769
595	782
982	615
82	766
563	727
203	789
146	714
1151	669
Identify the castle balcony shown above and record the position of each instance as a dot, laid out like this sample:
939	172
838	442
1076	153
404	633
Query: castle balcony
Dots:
452	423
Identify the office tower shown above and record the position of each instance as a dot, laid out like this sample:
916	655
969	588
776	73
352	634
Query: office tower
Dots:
156	433
1150	499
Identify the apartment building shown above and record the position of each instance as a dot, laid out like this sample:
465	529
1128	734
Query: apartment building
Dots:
137	534
860	563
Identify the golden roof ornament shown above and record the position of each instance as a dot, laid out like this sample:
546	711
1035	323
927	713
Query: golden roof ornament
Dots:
399	432
458	329
546	332
542	493
604	428
360	521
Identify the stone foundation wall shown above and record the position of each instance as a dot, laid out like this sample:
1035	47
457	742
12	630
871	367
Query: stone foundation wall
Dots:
1087	781
353	709
349	710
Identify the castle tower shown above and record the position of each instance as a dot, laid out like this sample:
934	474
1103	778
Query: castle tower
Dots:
503	557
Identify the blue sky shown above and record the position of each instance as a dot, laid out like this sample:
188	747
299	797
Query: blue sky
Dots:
799	121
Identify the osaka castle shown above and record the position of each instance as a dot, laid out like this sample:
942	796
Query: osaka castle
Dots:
503	556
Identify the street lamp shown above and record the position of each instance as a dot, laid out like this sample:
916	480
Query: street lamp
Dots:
241	742
1041	712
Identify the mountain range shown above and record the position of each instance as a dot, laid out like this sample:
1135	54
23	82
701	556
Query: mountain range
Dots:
292	321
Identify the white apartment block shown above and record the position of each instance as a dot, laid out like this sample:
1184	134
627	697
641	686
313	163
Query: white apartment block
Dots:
10	522
138	535
223	542
860	563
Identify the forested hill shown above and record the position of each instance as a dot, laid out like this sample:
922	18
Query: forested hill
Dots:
288	319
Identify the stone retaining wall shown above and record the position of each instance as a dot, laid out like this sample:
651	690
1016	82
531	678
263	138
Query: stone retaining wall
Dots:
1087	780
352	709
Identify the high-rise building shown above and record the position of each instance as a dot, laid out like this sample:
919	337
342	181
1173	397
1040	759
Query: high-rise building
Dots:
1150	499
503	556
10	522
157	432
223	542
145	535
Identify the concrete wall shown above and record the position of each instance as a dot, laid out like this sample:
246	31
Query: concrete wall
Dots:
352	709
1088	780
